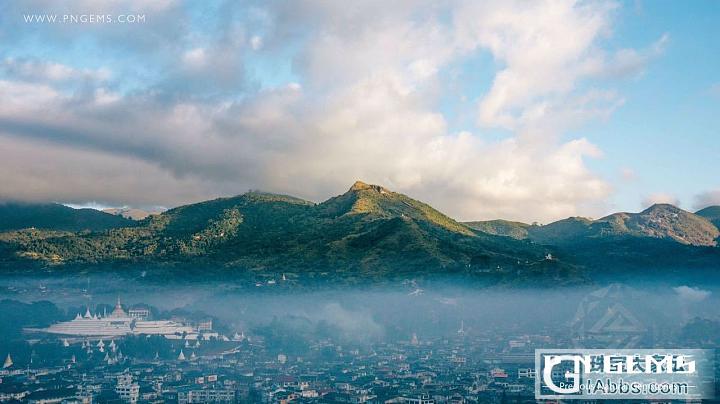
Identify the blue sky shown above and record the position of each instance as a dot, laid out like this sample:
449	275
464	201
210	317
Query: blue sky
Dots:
667	130
529	111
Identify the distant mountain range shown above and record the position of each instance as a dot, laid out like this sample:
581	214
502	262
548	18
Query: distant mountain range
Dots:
131	213
54	216
661	221
368	233
661	242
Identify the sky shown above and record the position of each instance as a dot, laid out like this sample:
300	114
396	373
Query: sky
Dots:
523	110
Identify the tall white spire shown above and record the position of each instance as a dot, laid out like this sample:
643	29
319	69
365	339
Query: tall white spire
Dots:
181	357
8	362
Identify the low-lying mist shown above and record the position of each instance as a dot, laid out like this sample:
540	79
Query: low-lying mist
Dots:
590	315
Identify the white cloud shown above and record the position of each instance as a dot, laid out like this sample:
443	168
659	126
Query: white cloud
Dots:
19	97
256	42
367	109
630	62
195	58
532	43
39	71
104	96
691	294
707	198
659	197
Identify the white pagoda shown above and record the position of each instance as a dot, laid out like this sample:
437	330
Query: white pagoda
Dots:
8	362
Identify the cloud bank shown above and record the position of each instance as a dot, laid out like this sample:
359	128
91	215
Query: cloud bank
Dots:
707	198
305	97
691	294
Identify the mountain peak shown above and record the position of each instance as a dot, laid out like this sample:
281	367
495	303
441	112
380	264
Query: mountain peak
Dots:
377	201
661	207
668	221
362	186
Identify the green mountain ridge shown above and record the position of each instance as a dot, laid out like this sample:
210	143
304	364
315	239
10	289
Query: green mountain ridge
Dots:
500	227
711	213
661	243
130	213
368	232
54	216
660	221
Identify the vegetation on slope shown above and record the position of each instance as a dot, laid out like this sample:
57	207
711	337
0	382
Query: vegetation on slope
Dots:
371	233
660	221
499	227
53	216
368	232
711	213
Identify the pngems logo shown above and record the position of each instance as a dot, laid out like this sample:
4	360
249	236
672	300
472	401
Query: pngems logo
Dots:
624	374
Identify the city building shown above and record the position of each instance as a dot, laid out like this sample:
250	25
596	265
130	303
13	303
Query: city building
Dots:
119	323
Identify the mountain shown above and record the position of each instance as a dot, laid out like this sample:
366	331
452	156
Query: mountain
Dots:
499	227
130	213
369	232
561	231
53	216
661	243
668	221
378	202
711	213
661	221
